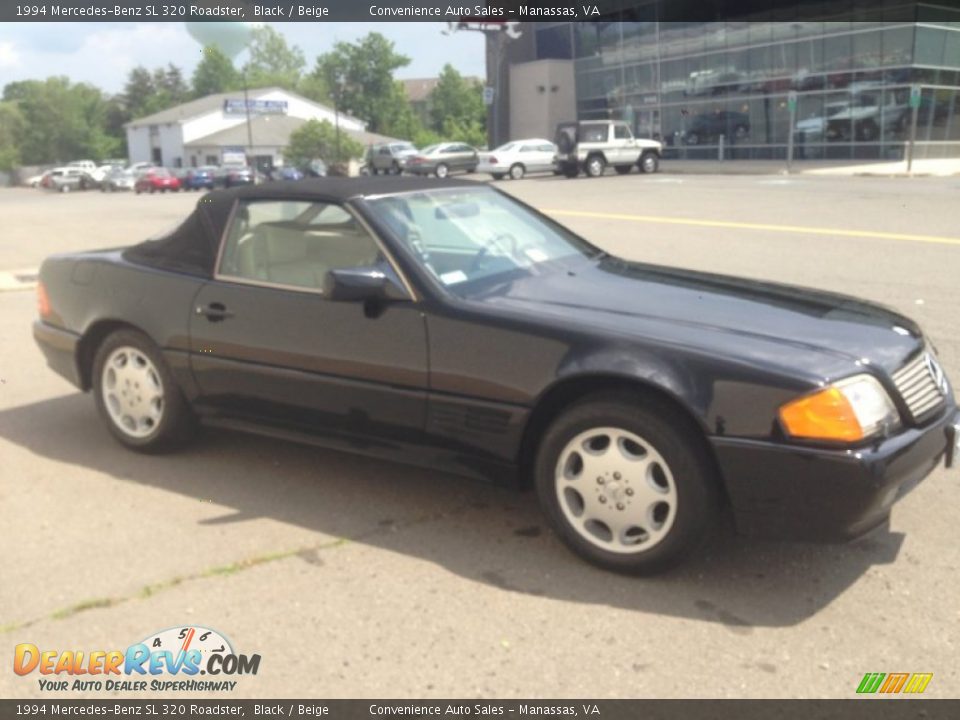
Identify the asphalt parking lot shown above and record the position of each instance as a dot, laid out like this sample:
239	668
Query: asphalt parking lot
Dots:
357	578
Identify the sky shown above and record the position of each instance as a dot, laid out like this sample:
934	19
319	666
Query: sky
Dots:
104	53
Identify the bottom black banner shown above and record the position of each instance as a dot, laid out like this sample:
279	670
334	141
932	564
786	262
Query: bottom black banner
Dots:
861	709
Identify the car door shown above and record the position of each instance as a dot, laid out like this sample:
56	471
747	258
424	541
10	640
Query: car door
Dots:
266	342
626	152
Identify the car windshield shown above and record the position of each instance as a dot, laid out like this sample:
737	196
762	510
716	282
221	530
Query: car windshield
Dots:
159	172
430	149
466	235
505	147
404	147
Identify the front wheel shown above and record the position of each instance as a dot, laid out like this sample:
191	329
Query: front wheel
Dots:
649	162
628	486
137	395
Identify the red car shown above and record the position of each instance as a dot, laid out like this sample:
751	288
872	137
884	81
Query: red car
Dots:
154	179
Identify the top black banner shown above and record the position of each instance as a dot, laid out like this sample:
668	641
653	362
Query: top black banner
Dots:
491	12
494	12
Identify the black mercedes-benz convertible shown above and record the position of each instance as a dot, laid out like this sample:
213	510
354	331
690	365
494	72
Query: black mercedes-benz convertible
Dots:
447	324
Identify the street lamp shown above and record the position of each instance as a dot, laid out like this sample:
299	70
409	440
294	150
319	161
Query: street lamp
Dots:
337	89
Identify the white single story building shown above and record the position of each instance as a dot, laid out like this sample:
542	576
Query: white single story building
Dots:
213	130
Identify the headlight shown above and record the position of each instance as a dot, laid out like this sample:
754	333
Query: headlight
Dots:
849	410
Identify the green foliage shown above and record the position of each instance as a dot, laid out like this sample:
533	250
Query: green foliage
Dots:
318	139
272	61
11	127
146	93
214	74
359	78
456	108
61	121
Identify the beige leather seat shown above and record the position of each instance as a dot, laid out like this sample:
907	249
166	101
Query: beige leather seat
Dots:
302	256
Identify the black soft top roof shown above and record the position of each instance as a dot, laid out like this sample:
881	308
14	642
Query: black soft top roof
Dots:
192	247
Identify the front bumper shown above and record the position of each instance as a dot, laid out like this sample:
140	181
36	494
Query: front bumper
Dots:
60	349
800	493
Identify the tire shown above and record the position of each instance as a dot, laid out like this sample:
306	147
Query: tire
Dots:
64	188
571	171
441	170
740	132
658	482
498	176
517	171
692	138
128	362
649	162
595	166
622	169
868	131
395	169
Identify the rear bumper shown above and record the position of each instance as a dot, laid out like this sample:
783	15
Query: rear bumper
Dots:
60	349
799	493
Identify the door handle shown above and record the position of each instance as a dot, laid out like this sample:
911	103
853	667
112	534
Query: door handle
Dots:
214	312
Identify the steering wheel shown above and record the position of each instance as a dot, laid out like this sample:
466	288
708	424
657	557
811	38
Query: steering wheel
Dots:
494	243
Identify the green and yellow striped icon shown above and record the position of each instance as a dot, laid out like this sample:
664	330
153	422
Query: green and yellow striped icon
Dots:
894	683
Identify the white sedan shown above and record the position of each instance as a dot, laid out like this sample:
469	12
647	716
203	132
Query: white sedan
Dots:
517	158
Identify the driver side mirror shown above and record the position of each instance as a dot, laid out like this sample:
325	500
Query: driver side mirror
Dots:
362	284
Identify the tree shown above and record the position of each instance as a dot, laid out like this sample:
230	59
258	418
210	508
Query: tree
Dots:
138	91
60	121
272	61
171	86
318	139
11	127
359	77
214	74
456	108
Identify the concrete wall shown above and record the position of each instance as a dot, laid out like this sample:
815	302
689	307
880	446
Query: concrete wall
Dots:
542	94
138	144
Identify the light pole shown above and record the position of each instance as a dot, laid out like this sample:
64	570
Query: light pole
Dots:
337	89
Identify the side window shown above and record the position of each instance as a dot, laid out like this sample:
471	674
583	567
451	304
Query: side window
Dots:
528	148
546	147
294	243
384	150
621	132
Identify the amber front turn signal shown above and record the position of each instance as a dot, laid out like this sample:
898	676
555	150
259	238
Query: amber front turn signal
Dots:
826	415
847	411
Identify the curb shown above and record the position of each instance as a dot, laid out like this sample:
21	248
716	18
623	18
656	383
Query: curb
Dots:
18	279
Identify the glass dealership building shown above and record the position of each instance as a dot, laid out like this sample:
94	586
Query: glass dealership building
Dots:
724	86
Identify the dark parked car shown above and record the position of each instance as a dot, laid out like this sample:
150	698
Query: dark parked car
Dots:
448	324
708	127
443	159
201	178
288	173
234	176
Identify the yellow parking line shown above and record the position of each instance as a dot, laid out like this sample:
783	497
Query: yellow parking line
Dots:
802	229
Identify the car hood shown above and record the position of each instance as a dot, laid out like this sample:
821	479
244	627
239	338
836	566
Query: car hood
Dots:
819	333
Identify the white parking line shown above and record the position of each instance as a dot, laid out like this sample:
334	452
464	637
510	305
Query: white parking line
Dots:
18	279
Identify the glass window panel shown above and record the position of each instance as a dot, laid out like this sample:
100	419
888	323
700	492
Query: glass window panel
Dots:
898	46
867	49
930	44
837	52
554	43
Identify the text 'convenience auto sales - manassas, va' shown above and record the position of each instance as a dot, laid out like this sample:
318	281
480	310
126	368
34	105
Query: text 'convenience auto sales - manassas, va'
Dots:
166	661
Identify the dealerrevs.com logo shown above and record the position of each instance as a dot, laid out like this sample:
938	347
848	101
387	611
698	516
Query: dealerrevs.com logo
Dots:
171	660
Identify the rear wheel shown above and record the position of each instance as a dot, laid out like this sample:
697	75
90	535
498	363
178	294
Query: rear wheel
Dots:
595	166
137	395
627	485
442	171
517	171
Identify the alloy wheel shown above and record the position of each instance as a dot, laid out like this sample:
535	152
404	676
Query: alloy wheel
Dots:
616	490
132	392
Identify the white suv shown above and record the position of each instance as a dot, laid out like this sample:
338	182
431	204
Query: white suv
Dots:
591	145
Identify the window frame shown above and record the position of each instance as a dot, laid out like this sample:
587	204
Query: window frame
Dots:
240	280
